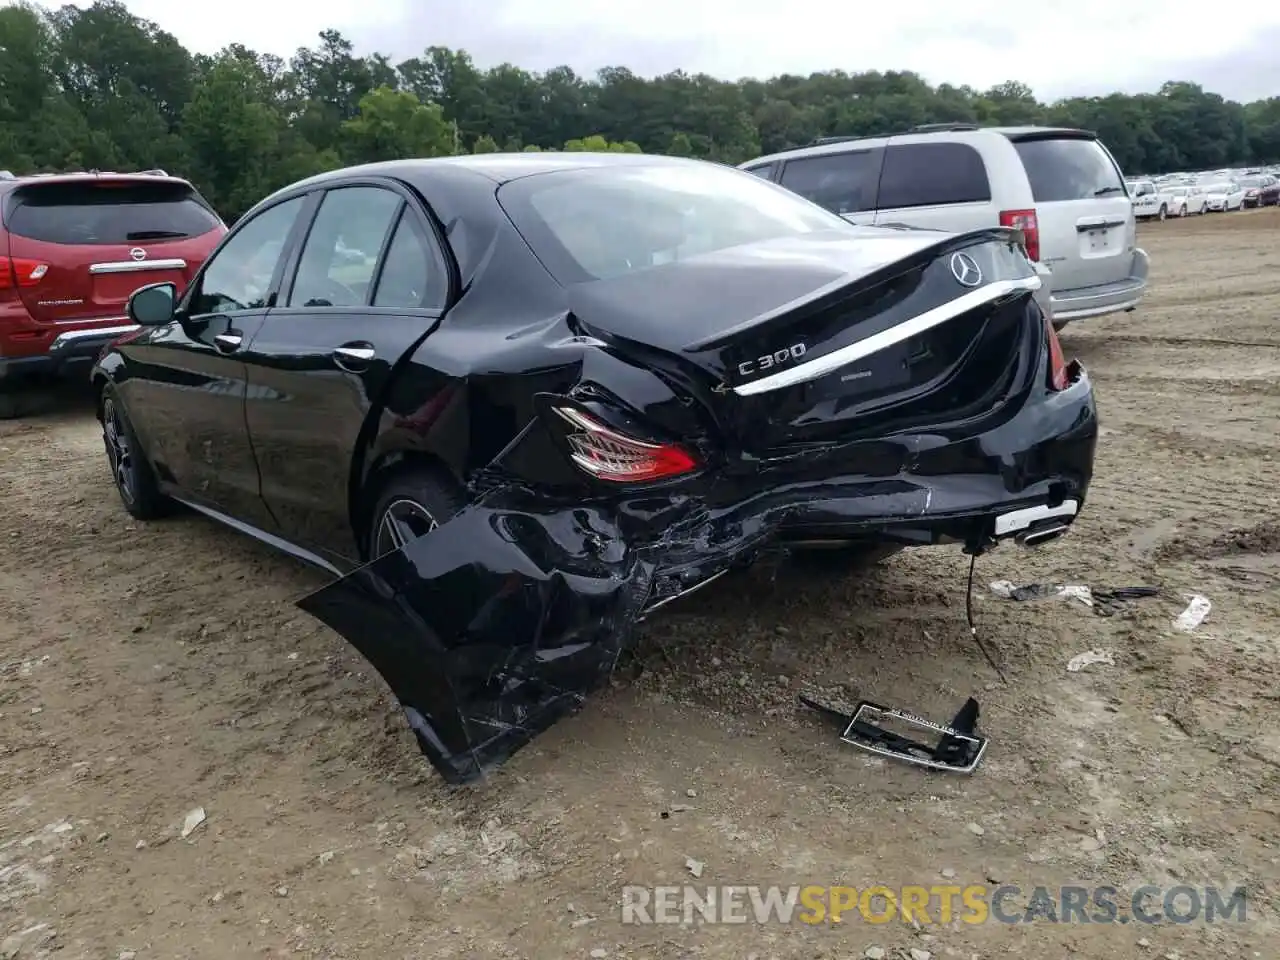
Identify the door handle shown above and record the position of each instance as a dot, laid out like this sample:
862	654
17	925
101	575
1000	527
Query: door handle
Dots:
353	356
228	341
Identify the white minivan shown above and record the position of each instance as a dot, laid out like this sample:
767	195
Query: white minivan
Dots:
1061	187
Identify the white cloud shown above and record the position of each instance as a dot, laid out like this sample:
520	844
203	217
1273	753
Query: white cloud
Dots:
1058	47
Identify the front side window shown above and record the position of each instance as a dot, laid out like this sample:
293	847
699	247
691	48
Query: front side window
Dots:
842	182
606	221
341	251
238	276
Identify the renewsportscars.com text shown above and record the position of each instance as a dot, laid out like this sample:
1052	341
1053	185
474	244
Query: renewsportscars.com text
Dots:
974	904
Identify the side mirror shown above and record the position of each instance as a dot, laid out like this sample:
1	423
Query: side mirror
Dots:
153	305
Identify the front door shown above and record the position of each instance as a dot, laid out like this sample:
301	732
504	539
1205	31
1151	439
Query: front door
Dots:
370	283
187	383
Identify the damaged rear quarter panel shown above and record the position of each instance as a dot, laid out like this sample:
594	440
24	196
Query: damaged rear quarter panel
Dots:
494	626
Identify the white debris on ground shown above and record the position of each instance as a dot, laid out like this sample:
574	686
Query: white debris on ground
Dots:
1089	658
1008	590
1194	614
192	821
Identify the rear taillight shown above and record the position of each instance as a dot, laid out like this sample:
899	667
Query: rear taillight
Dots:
1024	220
19	272
1057	362
607	454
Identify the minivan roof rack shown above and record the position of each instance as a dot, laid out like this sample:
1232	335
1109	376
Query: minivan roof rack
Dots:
921	128
939	127
823	141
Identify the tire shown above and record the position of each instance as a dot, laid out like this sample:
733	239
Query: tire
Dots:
1163	214
410	504
130	471
1182	211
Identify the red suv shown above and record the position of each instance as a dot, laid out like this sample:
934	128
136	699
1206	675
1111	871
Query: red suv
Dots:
72	249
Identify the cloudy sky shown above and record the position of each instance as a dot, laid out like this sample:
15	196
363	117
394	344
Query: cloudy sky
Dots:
1058	47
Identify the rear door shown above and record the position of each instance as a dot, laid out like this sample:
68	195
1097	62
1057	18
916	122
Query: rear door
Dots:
1086	219
940	185
371	281
100	238
845	182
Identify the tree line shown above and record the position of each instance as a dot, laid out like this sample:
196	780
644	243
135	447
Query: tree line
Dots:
98	88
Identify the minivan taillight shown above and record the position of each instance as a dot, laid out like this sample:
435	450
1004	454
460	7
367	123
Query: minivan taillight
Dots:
1024	220
20	272
608	454
1057	361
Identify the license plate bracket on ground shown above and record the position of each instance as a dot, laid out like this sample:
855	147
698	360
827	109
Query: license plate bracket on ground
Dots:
955	751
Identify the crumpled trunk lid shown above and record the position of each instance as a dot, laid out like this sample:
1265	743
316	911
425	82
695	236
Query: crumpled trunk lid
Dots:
828	337
493	627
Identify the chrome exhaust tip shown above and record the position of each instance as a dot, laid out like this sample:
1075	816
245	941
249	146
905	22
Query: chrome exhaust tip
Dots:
1034	538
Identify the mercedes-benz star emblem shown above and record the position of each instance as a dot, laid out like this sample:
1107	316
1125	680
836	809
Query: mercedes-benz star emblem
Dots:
139	254
966	270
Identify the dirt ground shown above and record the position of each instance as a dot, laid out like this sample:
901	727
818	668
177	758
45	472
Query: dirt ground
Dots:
146	670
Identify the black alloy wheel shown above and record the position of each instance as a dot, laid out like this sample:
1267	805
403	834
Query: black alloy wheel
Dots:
130	472
119	453
411	503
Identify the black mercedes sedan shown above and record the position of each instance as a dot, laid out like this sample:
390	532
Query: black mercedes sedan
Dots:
515	403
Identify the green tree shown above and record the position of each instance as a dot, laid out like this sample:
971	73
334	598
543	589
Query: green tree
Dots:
391	124
680	145
96	86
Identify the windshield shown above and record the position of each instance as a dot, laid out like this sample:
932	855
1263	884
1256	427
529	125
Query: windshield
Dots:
589	224
1251	182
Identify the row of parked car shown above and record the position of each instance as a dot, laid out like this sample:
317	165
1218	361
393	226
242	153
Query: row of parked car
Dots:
1219	192
74	246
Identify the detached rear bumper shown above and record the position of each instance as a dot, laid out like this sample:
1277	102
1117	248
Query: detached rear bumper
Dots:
1097	301
504	620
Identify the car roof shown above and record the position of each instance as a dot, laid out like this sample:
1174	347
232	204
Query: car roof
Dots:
12	183
835	145
497	167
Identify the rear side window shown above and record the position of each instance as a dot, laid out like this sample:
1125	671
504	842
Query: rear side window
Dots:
842	182
1069	168
341	252
110	212
764	171
931	174
413	274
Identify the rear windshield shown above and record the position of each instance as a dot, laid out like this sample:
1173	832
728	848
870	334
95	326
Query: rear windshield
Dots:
109	213
1062	168
602	222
